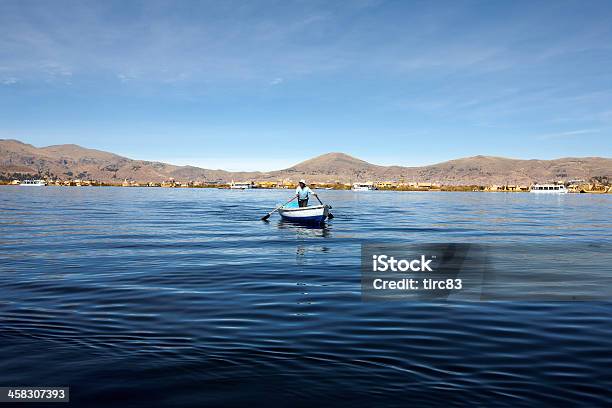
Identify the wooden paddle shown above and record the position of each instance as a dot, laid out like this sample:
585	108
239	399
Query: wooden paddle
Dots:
265	217
329	215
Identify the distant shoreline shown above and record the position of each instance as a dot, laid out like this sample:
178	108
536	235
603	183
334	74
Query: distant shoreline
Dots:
459	189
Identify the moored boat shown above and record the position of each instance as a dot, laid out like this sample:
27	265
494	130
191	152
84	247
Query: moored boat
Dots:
314	214
33	183
548	189
240	185
362	187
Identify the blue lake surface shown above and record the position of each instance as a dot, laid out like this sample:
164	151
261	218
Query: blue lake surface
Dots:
158	297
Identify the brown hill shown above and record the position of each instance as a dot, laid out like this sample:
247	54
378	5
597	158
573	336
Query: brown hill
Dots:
72	161
479	170
333	163
331	167
483	170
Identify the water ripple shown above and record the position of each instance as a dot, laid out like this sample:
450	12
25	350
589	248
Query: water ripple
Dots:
183	297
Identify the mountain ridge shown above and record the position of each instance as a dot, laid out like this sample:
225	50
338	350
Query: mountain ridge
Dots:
69	161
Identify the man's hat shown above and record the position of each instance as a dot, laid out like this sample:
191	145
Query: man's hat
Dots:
303	181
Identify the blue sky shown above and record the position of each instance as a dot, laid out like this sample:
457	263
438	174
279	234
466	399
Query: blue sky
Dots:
266	84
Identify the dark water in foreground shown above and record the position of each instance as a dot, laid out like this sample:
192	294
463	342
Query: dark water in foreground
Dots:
152	297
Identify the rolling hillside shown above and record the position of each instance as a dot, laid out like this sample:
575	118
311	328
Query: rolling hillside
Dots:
72	161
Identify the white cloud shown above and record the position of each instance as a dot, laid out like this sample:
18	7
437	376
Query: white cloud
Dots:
124	77
277	81
9	81
55	70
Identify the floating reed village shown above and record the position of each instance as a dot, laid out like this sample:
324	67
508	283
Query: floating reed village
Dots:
597	185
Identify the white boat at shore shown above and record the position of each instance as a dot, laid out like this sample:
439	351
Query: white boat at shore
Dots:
362	187
33	183
240	185
548	189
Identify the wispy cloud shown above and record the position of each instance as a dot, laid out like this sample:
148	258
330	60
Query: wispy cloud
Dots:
234	40
457	70
126	77
9	81
568	134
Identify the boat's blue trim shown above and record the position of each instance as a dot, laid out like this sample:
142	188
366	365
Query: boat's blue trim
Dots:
313	219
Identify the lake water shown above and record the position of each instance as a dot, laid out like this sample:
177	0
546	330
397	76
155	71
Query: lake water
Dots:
152	297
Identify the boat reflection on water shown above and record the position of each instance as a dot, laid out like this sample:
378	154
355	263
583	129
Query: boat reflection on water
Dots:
307	231
321	230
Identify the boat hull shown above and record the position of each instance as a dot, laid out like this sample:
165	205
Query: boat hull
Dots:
308	215
549	192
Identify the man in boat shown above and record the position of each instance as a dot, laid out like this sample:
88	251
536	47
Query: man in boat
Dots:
302	192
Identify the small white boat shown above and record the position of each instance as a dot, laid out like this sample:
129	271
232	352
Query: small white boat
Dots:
314	214
240	185
33	183
362	187
548	189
